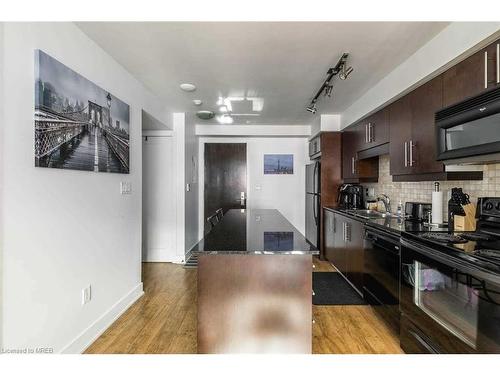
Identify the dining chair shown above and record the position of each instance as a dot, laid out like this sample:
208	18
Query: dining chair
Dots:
219	213
213	220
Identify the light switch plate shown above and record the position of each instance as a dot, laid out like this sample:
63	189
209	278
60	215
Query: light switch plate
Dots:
86	295
125	187
188	187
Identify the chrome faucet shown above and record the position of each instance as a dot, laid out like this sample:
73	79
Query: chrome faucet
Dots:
387	202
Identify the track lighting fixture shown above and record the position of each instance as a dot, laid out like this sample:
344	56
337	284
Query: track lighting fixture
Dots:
345	72
312	108
326	88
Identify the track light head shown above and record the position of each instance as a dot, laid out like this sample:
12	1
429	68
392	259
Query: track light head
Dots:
312	108
345	72
329	90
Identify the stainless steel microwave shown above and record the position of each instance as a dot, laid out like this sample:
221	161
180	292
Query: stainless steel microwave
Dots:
469	132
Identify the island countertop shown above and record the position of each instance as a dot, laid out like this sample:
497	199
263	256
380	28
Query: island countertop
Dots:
254	231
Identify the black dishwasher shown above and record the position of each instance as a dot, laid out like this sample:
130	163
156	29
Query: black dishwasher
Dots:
381	274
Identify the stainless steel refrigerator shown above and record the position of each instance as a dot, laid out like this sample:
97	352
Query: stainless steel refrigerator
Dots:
313	199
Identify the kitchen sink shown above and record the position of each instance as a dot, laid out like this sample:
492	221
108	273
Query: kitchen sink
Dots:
372	214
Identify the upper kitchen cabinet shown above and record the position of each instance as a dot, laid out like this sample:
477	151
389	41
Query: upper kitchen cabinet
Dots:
374	130
400	135
355	169
424	102
470	77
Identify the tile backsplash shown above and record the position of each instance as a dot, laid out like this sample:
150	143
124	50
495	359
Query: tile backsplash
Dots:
422	191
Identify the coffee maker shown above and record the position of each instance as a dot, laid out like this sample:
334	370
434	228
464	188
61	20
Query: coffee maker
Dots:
350	196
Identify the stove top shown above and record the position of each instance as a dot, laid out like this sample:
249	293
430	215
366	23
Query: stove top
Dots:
444	237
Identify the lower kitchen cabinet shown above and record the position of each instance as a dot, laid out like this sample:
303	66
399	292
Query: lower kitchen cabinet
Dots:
344	246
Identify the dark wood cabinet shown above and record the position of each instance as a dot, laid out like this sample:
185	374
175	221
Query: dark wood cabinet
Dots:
343	241
465	79
399	136
374	130
350	144
355	169
473	75
354	237
330	144
424	102
335	246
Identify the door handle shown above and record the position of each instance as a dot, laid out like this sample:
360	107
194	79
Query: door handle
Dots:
498	62
367	133
242	199
352	165
370	132
406	154
485	69
411	152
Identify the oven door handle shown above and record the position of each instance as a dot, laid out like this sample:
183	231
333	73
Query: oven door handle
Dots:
422	342
452	262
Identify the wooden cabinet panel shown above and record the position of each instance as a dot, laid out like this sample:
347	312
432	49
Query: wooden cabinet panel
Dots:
399	136
379	127
329	234
493	64
424	102
354	252
464	79
349	153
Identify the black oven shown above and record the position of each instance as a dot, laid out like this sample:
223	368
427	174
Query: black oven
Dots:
448	305
470	130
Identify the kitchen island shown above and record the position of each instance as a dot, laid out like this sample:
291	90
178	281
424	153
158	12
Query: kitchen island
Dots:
254	285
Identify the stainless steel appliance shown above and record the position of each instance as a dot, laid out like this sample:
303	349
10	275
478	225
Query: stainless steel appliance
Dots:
417	212
313	201
469	132
315	147
350	196
450	287
381	274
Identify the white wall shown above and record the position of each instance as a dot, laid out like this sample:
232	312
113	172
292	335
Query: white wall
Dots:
191	181
456	42
325	123
158	201
211	130
1	183
66	229
285	193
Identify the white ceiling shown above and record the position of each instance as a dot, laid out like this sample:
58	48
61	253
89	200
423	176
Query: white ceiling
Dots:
276	66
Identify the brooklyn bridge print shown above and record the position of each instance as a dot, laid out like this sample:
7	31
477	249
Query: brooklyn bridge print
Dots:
78	125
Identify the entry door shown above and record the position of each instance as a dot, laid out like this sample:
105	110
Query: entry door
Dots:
225	177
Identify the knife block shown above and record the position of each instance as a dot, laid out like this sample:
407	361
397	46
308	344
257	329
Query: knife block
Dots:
467	222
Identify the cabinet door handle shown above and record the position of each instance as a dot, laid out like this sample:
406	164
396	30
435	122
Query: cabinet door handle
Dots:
406	154
334	225
411	153
486	69
370	132
367	133
343	231
498	62
352	165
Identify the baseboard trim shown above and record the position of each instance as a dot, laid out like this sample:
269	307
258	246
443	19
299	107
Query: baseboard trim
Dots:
89	335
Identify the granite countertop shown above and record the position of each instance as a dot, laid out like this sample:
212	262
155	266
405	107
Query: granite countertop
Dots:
254	231
394	225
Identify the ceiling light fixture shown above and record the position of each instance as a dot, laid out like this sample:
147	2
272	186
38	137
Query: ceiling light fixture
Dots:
197	102
205	115
189	87
326	88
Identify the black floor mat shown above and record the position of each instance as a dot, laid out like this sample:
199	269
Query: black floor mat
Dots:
330	288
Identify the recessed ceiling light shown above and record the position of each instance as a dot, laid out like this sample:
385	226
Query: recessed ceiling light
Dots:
187	87
197	102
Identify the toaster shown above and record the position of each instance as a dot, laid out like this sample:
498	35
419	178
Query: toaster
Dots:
417	211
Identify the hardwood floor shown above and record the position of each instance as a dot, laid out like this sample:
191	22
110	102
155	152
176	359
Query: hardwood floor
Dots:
164	320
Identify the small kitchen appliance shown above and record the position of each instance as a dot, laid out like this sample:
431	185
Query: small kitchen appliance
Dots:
417	211
350	196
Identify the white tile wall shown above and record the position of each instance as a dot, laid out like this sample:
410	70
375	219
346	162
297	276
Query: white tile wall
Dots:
422	191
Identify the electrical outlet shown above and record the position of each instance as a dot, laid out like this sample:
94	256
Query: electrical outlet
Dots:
125	187
86	295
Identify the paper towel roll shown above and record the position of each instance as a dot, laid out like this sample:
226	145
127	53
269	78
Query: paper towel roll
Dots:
437	207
